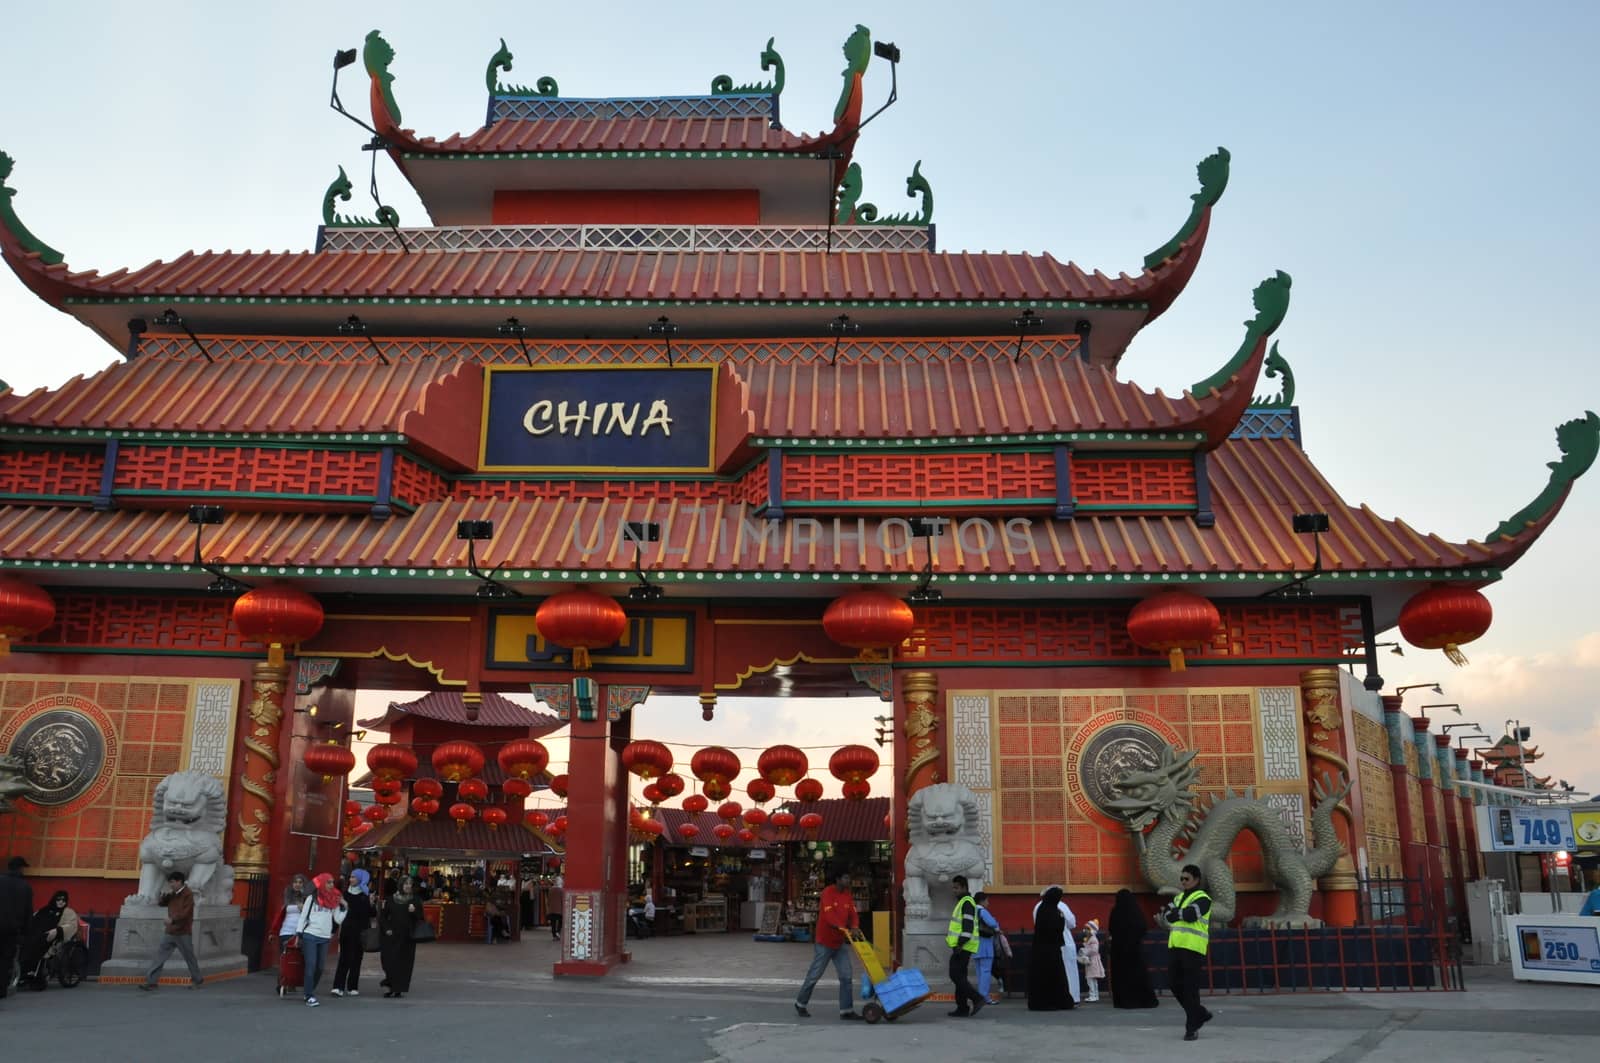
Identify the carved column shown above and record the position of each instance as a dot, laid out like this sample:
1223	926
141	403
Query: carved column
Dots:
921	724
1326	755
1412	855
1427	768
269	685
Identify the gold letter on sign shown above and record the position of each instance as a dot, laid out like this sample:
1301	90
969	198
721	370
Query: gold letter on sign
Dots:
267	685
921	721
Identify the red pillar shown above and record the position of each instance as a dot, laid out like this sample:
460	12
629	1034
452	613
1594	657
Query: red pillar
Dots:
1412	853
596	880
1427	766
1457	853
1467	819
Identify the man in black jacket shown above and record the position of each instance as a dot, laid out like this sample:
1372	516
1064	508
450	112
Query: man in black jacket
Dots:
16	905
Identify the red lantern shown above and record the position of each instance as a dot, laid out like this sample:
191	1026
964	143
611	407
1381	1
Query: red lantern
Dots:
888	822
652	827
857	791
279	615
729	810
580	620
853	763
689	832
391	762
717	790
495	816
559	826
635	817
352	808
523	758
714	763
558	785
782	765
517	788
455	761
473	790
808	791
754	817
811	821
1445	617
646	758
722	831
375	814
539	820
747	835
760	791
386	786
670	785
423	807
653	794
328	759
25	610
783	820
427	788
869	621
1173	621
388	799
695	804
461	812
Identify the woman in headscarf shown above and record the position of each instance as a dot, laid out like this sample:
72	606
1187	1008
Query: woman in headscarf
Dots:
1047	977
1069	947
1130	980
287	922
357	918
319	915
401	911
50	924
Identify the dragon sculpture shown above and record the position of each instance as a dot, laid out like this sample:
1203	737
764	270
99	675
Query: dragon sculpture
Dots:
851	211
722	84
1277	365
501	60
1165	796
341	189
1579	440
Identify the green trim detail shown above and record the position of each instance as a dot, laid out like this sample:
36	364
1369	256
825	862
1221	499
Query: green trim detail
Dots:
1579	441
501	60
376	55
341	189
545	156
1213	174
722	84
851	211
454	300
277	441
8	217
1271	300
1178	440
857	54
1277	365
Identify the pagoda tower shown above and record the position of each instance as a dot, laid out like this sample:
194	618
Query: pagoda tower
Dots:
655	387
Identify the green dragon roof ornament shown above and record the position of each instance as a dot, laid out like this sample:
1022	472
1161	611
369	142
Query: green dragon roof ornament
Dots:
8	217
376	55
722	84
1579	441
857	54
851	211
1277	365
341	189
1213	174
501	60
1271	300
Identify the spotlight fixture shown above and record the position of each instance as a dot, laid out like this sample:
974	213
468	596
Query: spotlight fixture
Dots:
1312	524
887	51
1452	706
386	215
841	327
1435	687
1028	322
663	327
171	319
354	326
640	532
473	532
221	583
513	327
925	593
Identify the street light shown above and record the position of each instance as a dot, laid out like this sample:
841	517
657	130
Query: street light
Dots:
1400	692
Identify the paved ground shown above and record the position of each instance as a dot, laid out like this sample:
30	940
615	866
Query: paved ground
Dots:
725	998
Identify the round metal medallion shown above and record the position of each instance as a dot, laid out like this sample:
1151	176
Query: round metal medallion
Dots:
62	752
1112	753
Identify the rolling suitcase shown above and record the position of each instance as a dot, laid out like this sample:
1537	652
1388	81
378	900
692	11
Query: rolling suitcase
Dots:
291	970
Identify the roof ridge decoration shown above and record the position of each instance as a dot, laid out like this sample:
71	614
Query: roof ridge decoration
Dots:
1579	440
1276	365
9	220
1271	300
722	84
1213	174
851	211
341	189
376	55
501	60
857	54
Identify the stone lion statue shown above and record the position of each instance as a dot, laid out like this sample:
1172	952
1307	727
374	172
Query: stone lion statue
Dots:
186	827
945	841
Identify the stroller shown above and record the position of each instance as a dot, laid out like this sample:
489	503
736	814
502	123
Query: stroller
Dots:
65	961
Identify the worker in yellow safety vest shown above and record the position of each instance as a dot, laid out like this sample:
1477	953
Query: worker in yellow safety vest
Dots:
1188	918
962	937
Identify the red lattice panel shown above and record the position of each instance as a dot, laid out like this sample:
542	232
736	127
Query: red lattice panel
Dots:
944	477
751	489
150	623
706	491
414	483
1286	631
50	472
260	470
1132	481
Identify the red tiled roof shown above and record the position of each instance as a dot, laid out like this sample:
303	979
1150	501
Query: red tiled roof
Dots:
441	834
496	710
1257	486
842	821
745	133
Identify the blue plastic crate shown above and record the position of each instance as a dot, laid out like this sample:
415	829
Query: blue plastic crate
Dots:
900	989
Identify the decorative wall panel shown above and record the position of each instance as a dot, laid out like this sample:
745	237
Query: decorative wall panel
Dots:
944	476
149	623
211	736
1132	481
1281	747
971	756
1379	817
51	474
307	473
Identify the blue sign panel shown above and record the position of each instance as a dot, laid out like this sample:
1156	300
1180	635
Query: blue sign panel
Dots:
634	419
1524	829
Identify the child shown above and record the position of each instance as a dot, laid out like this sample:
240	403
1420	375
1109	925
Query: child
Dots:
1089	957
988	930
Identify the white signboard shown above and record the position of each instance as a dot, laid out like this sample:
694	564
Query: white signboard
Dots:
1524	829
1555	948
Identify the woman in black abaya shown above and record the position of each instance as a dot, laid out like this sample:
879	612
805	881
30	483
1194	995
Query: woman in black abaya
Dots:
1047	973
400	912
1130	981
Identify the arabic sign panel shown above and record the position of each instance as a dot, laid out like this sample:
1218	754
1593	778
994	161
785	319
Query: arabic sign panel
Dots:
652	642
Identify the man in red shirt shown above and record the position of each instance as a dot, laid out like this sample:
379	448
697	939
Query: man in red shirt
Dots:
836	913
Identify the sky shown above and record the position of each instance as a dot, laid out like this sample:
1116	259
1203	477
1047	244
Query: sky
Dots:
1424	171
